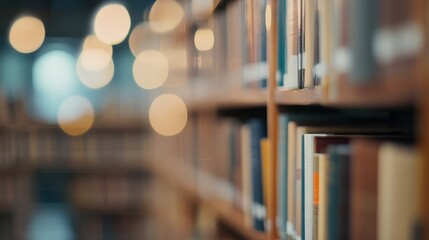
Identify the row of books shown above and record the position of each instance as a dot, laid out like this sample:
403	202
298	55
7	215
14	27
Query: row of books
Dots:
321	41
340	180
239	55
122	192
51	145
361	190
227	158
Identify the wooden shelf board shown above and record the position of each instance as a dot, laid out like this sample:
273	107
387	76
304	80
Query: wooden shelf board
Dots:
226	99
378	93
224	211
304	96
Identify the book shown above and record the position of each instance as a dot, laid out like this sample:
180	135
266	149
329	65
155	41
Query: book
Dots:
309	41
338	191
257	132
309	184
291	81
282	169
246	169
266	173
399	192
322	204
282	21
362	26
364	189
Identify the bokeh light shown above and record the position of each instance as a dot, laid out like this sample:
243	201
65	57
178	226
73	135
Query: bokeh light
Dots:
94	59
165	15
142	38
112	23
204	39
76	115
150	69
54	73
95	54
92	42
95	78
27	34
202	9
168	115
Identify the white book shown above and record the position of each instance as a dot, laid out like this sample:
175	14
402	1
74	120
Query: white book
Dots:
308	196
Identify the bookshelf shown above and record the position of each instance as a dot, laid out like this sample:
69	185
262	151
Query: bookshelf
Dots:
218	98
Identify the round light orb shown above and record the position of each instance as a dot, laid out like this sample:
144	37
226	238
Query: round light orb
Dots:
142	38
165	15
95	79
75	116
27	34
112	23
94	59
92	42
150	69
204	39
53	73
202	9
168	115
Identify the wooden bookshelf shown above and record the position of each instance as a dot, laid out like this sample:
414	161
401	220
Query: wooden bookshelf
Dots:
166	170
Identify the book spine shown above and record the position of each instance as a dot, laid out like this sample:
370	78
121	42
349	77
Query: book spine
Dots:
338	192
291	81
281	41
301	43
291	178
363	24
258	207
282	177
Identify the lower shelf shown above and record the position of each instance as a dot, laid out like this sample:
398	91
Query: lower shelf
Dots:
226	213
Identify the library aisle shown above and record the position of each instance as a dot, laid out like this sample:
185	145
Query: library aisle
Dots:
214	119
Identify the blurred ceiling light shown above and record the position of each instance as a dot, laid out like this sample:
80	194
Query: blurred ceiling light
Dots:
141	38
168	115
53	73
204	39
76	115
112	23
165	15
202	9
150	69
27	34
95	78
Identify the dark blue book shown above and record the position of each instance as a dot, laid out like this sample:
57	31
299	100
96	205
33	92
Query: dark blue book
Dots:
338	192
281	41
257	132
263	41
